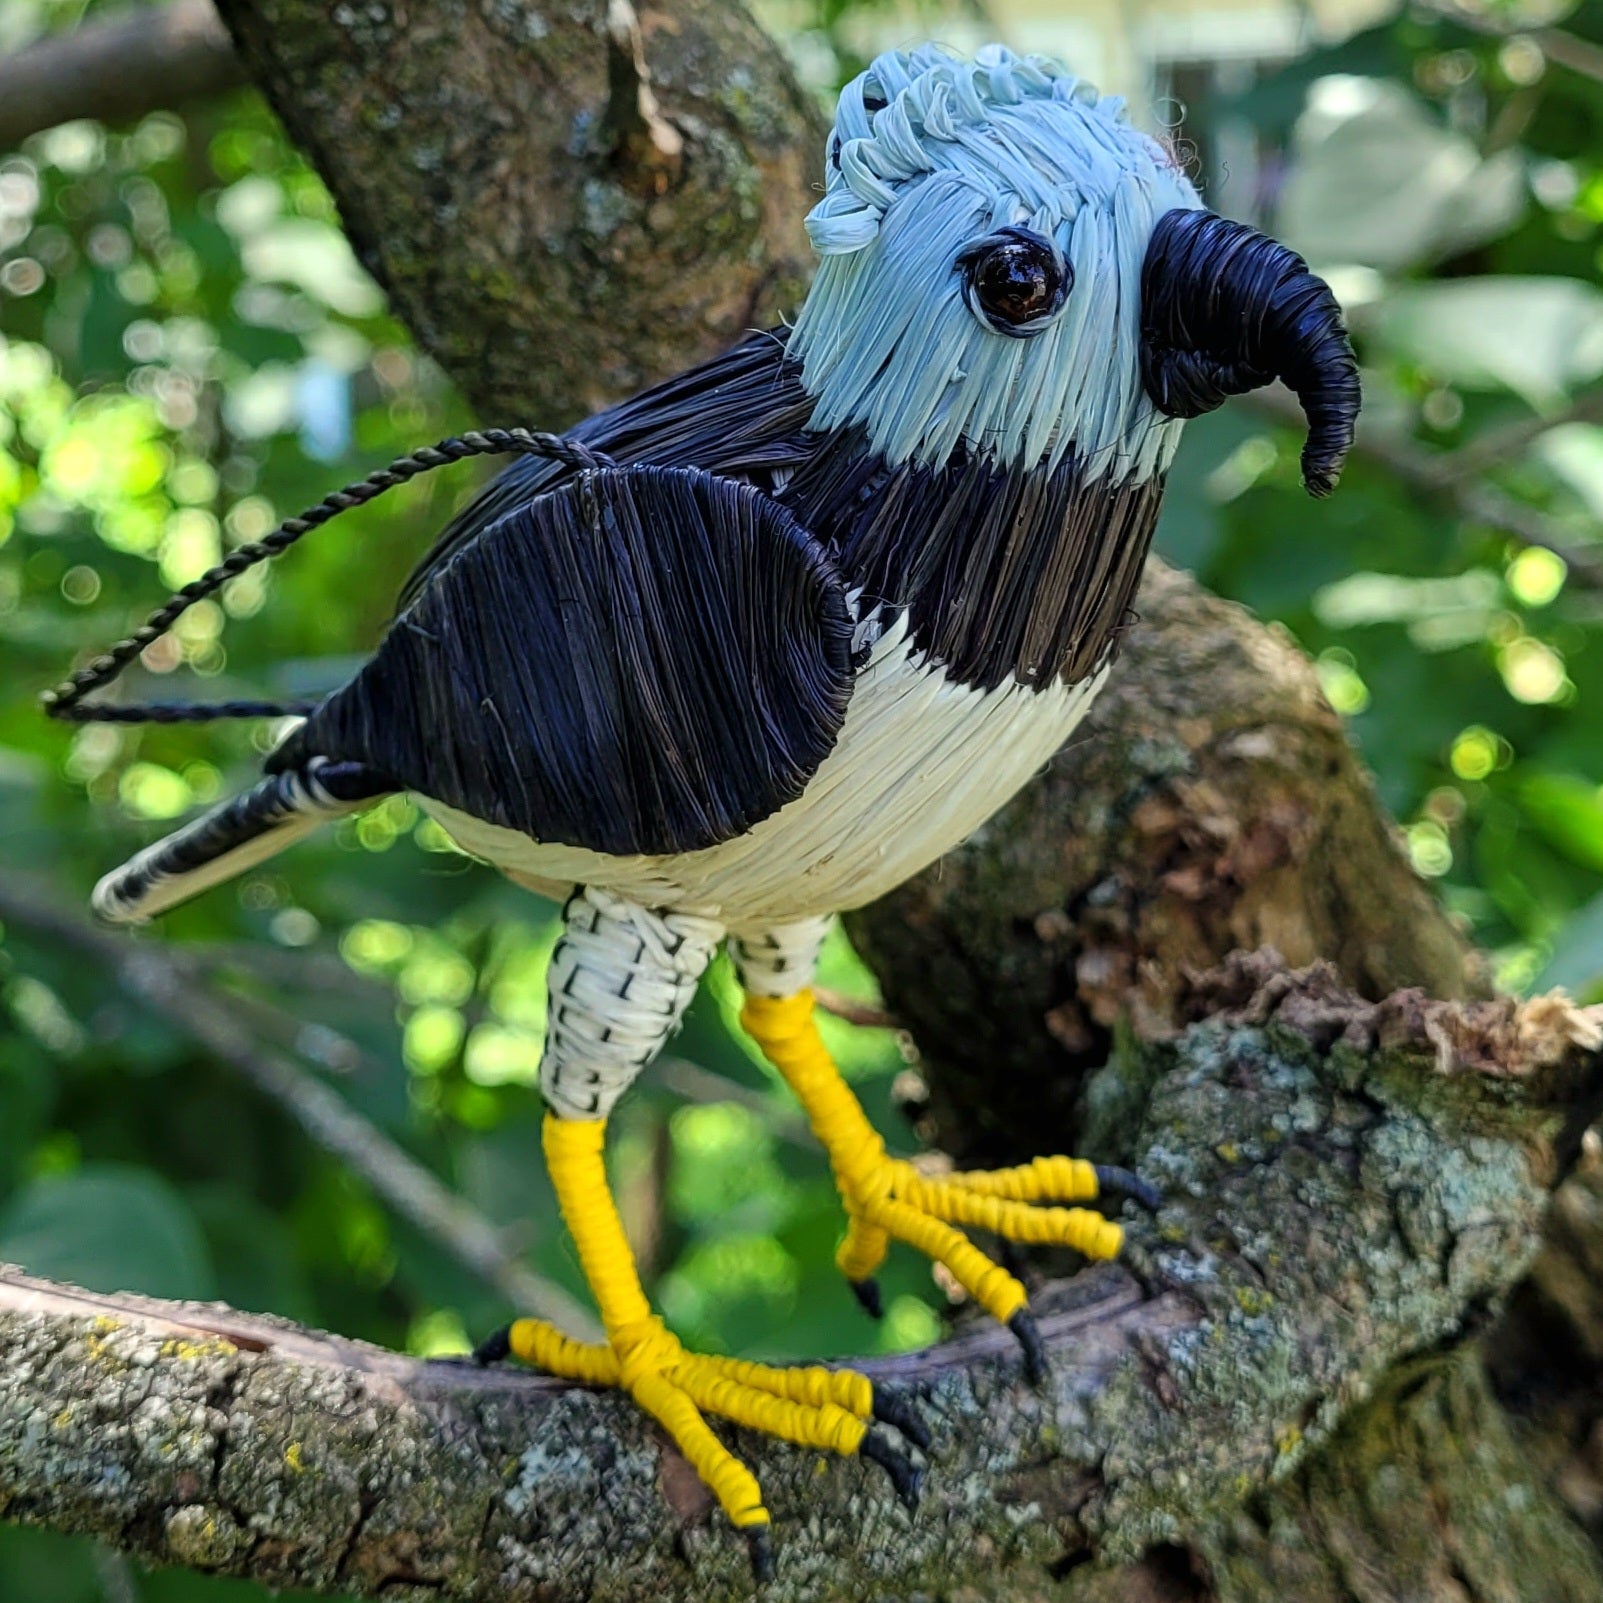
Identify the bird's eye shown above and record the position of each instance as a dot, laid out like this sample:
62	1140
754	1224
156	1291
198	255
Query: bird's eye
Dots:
1015	281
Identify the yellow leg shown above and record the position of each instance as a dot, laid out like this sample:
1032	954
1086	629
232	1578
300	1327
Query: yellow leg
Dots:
862	1249
814	1407
887	1198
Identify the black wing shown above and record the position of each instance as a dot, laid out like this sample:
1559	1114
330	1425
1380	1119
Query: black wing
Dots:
643	659
742	415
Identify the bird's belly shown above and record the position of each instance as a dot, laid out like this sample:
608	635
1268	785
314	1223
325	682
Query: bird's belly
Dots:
920	764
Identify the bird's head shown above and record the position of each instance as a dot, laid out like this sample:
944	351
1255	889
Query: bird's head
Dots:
1010	268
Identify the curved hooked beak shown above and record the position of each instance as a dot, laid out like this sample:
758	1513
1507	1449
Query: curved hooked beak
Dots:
1224	310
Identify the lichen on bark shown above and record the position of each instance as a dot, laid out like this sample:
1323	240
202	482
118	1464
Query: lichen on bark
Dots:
1211	803
494	173
1340	1195
1425	1496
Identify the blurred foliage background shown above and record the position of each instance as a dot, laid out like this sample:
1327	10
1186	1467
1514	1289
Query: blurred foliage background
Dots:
188	352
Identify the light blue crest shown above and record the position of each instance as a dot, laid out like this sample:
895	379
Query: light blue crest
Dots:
958	150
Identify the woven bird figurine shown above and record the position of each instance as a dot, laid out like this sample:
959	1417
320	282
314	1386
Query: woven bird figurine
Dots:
754	646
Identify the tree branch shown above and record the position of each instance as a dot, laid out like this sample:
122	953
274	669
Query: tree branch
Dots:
1568	49
147	59
1296	1124
1410	1496
155	977
1211	802
563	203
1507	441
696	1084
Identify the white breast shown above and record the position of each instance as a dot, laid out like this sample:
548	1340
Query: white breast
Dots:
920	764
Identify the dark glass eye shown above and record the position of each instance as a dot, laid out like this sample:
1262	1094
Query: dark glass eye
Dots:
1016	280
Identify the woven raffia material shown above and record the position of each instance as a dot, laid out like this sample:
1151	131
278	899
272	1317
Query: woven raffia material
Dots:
66	700
1266	317
619	982
639	660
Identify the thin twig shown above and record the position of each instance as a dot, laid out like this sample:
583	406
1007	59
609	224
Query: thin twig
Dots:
1570	50
1557	44
1508	440
706	1087
325	1048
866	1015
151	977
1453	477
298	969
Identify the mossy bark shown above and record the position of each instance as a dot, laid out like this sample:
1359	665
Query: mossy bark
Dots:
563	202
1341	1195
1425	1496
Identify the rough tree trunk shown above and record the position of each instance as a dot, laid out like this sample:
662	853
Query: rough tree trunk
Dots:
1284	1394
1210	804
1346	1182
564	202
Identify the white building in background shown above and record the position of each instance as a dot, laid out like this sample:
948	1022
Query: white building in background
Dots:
1132	47
1127	47
1164	56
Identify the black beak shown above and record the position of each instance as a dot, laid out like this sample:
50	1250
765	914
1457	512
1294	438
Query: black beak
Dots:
1224	310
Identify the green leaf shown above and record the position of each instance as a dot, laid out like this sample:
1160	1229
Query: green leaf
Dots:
1574	453
1567	810
1378	181
1577	961
108	1227
1540	337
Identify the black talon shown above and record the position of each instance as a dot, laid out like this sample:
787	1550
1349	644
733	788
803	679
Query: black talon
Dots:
1010	1256
905	1476
1113	1181
893	1409
494	1347
867	1294
1023	1325
760	1545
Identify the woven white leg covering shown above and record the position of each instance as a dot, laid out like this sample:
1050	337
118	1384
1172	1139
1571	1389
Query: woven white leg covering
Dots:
781	961
619	983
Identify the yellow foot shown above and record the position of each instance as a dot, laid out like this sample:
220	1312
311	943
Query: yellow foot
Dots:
887	1199
826	1409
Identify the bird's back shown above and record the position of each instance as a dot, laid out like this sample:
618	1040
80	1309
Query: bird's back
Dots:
986	602
741	415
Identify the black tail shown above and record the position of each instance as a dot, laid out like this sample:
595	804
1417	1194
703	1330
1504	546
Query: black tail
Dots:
235	836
